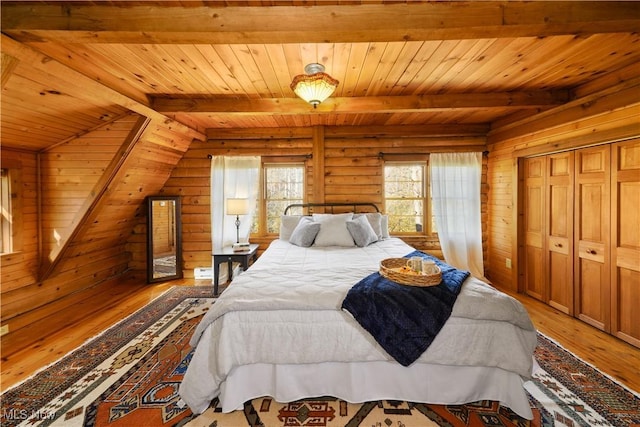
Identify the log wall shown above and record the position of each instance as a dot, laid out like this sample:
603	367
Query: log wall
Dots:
81	203
350	162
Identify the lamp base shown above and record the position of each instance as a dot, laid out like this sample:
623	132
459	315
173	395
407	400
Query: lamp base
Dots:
240	247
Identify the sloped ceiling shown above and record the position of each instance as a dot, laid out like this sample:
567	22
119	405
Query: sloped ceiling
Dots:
69	66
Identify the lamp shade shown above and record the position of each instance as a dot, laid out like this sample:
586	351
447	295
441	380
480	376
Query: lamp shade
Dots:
315	86
237	206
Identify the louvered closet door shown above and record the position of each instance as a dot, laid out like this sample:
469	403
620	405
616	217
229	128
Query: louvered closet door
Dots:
592	208
625	258
559	231
534	214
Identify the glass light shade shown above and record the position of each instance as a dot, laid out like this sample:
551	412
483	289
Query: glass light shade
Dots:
315	86
237	206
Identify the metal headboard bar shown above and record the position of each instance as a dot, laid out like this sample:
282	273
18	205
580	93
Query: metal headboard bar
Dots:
330	205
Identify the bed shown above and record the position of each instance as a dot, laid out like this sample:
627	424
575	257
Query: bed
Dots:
280	330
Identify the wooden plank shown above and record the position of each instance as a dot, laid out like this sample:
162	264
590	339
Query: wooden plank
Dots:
83	87
624	94
259	133
9	63
318	169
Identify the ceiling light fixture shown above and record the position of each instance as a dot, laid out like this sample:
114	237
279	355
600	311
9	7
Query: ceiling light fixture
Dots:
315	86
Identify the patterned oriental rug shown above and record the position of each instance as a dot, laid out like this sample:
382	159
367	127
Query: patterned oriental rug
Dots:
129	376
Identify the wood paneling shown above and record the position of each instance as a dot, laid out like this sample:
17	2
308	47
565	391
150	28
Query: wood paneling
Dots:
20	268
548	208
625	241
592	228
602	116
581	238
83	204
435	63
573	127
501	179
350	171
556	76
327	20
534	218
559	231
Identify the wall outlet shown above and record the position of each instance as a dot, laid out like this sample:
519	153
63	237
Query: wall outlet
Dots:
508	262
4	330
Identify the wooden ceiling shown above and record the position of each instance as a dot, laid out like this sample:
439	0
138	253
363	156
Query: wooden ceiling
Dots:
68	67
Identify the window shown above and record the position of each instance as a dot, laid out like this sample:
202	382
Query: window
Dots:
282	185
406	198
6	217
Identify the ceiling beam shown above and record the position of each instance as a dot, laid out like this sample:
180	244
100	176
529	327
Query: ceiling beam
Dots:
325	23
386	131
364	104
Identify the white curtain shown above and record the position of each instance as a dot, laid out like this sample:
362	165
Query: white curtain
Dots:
232	177
455	193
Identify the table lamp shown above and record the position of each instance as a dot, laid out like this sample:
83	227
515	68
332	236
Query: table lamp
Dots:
237	207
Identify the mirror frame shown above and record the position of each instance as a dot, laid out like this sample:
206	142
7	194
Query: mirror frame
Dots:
178	238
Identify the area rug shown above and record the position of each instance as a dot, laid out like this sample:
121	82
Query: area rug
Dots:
129	376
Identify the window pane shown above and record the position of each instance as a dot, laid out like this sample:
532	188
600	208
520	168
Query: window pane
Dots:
5	209
404	181
405	216
283	185
405	200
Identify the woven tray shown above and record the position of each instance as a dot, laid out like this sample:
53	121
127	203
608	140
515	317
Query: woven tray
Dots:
392	269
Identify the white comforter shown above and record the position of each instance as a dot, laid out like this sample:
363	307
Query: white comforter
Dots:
285	309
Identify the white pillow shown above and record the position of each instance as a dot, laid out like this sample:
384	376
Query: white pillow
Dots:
385	226
375	219
305	232
362	231
333	230
288	223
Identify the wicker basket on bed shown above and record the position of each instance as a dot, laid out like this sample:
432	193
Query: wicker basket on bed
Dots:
391	269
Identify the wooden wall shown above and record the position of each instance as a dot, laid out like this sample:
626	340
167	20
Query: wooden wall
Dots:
80	201
605	110
21	267
343	165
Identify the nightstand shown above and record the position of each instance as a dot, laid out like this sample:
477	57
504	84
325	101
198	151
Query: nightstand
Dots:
245	258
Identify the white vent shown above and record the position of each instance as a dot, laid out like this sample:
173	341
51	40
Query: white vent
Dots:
203	273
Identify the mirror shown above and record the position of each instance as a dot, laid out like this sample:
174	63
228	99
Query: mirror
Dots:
163	238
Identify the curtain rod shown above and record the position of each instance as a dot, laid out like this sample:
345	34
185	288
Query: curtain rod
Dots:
306	156
381	154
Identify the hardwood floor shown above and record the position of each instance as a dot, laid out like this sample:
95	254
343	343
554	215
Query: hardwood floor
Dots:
611	355
616	358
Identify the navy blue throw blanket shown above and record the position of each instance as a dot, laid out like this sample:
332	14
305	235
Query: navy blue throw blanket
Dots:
404	319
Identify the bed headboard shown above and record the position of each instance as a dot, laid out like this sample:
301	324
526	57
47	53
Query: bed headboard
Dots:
357	207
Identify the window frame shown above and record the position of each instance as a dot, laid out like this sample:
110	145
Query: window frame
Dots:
6	238
261	204
11	226
427	214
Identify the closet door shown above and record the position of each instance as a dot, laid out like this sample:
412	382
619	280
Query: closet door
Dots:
625	247
592	238
559	231
534	215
